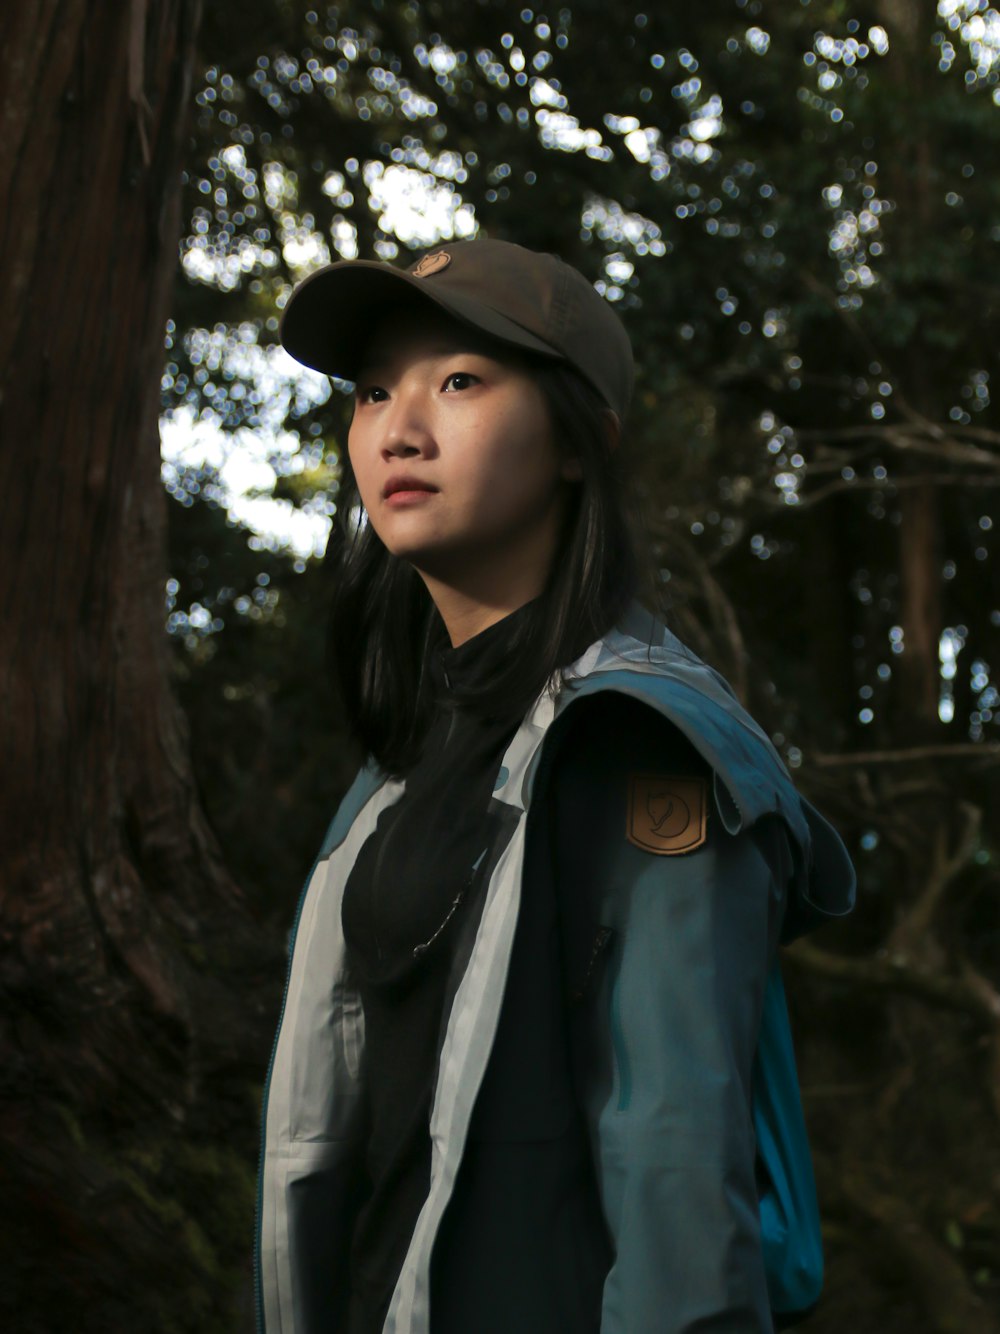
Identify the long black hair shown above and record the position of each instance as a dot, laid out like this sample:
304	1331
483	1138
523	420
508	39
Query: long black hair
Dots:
383	623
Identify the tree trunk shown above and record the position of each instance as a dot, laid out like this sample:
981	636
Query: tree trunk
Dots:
115	909
920	613
919	530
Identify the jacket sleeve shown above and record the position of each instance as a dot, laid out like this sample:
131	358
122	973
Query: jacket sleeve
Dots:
667	951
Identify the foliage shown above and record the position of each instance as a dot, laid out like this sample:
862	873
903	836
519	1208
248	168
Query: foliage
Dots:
794	208
733	182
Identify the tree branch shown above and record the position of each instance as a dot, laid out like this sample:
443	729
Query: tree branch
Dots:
896	973
939	1283
720	608
914	928
982	750
886	484
941	445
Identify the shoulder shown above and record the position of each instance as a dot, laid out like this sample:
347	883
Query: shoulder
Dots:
613	726
620	770
627	788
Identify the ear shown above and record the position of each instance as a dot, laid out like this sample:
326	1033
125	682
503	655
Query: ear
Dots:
612	428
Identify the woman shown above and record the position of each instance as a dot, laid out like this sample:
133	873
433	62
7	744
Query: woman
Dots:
533	1073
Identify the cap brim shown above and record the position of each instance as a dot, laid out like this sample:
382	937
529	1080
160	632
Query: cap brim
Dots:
330	315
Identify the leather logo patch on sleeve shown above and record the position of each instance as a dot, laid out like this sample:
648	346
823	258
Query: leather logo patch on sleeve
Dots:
666	815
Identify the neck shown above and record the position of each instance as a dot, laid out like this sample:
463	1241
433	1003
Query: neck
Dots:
470	605
466	615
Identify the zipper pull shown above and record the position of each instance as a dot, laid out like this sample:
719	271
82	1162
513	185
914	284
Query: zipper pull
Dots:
420	949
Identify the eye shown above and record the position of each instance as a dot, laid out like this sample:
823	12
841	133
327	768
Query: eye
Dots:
459	380
370	393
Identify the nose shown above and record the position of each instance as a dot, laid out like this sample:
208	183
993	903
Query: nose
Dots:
406	426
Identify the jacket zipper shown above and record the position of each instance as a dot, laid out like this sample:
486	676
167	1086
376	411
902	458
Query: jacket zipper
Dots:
618	1046
380	855
258	1279
456	903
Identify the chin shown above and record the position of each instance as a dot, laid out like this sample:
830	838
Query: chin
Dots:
446	565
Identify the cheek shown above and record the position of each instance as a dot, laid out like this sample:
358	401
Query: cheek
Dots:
519	453
532	458
358	465
518	480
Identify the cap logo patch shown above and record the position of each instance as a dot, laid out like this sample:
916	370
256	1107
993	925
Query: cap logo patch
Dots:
666	815
431	264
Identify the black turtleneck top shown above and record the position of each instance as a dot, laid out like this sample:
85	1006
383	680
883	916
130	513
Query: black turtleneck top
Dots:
523	1245
402	911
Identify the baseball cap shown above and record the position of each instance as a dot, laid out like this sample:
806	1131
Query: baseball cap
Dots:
523	298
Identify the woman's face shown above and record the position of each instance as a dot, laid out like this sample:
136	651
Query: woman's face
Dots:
465	432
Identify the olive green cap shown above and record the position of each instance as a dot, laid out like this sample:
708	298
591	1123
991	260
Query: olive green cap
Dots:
523	298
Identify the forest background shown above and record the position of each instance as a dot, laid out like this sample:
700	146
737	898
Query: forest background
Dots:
795	208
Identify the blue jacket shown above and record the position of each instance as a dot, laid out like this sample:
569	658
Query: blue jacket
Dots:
700	1148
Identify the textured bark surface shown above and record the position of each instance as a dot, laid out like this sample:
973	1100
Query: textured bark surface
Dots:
910	180
117	915
920	583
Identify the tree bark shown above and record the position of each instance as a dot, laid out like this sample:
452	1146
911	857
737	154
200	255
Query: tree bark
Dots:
920	610
117	915
919	530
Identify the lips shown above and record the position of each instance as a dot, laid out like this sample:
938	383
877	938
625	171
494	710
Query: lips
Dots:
405	484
